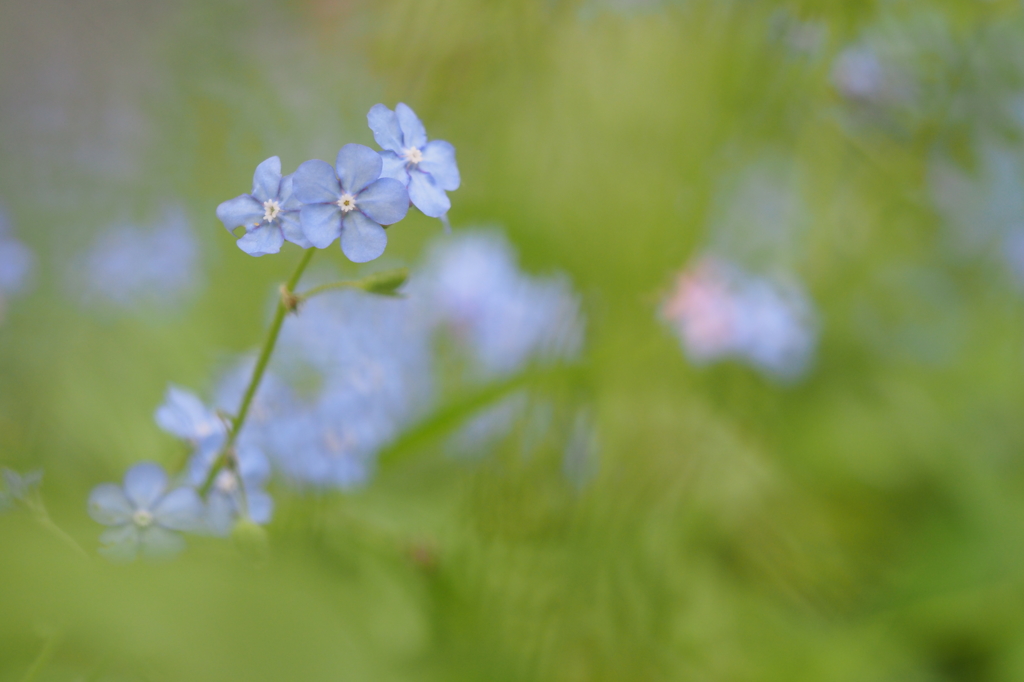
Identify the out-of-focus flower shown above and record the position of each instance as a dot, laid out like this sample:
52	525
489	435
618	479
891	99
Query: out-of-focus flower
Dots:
234	494
718	311
858	74
184	415
472	285
17	262
360	370
19	487
428	169
143	515
351	200
129	266
270	214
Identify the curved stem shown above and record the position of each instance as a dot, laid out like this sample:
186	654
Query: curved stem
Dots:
42	659
347	284
286	305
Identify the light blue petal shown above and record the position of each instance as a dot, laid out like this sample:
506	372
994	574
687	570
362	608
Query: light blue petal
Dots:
120	543
358	166
220	513
253	466
385	201
180	509
315	182
266	182
243	210
321	223
184	415
426	195
291	228
362	240
394	168
261	506
287	199
160	543
144	484
413	132
109	506
265	239
439	161
384	124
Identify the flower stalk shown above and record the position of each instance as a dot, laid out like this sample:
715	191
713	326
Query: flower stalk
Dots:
285	305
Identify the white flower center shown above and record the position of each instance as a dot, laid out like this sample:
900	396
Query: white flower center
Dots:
412	155
271	209
226	482
142	518
346	202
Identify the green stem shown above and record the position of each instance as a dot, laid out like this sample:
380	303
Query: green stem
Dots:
46	522
42	659
284	306
347	284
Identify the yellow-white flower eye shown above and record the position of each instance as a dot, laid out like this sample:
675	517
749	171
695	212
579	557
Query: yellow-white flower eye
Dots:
142	518
346	202
271	209
412	155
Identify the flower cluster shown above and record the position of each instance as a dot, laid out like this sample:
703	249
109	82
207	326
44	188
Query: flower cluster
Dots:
719	311
351	201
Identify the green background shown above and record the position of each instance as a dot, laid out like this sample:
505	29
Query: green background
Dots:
862	524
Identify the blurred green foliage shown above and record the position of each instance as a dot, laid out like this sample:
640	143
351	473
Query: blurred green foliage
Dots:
860	525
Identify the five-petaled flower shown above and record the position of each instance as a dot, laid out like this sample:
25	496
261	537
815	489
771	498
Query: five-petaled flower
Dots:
270	215
144	515
351	200
427	169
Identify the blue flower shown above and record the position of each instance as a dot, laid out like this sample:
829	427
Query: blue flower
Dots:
184	415
19	487
351	200
229	496
426	168
133	267
506	318
144	515
17	262
270	214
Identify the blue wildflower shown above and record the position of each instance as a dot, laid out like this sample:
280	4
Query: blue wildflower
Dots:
17	262
351	200
426	168
270	214
504	317
130	267
234	494
19	487
184	415
144	515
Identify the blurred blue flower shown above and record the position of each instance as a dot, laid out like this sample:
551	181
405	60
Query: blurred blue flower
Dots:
17	262
18	486
426	168
129	267
472	286
351	200
270	214
351	371
184	415
719	311
233	495
144	515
